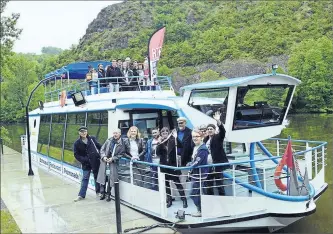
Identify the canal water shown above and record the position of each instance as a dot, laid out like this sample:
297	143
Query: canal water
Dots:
318	127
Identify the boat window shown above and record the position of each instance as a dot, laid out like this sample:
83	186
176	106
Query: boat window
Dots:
124	126
209	101
169	119
145	122
97	123
261	105
74	121
43	136
57	136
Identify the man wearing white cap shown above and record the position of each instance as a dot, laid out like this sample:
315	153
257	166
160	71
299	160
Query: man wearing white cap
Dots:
184	135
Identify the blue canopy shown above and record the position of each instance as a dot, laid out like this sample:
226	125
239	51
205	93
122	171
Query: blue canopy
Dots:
76	70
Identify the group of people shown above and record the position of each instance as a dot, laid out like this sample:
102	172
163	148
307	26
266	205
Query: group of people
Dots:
179	147
120	69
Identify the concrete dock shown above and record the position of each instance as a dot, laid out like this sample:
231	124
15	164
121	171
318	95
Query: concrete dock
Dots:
43	203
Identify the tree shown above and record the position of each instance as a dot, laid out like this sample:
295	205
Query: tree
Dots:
4	134
51	50
210	75
8	31
20	79
311	61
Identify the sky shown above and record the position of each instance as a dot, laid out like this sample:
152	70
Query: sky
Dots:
52	23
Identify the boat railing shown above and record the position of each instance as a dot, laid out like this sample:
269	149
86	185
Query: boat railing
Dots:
106	85
308	154
238	180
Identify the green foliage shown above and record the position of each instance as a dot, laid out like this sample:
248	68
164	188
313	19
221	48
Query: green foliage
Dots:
19	80
209	75
311	61
8	224
8	31
51	50
4	134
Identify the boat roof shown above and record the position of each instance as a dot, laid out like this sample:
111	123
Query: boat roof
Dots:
76	70
237	81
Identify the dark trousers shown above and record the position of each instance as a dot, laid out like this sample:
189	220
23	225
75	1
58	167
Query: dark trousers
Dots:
107	185
195	193
85	182
216	176
175	179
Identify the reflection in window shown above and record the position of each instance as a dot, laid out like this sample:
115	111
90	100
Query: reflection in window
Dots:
145	122
57	135
169	119
124	126
43	137
74	121
259	106
97	123
209	101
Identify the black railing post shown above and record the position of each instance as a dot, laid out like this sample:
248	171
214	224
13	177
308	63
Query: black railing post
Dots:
1	147
117	202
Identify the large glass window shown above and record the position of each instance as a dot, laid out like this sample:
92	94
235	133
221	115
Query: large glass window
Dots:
43	137
261	105
74	121
57	136
169	119
209	101
97	123
145	122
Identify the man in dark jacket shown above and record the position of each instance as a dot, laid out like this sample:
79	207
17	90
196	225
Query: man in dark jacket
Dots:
113	71
184	136
86	151
166	151
214	143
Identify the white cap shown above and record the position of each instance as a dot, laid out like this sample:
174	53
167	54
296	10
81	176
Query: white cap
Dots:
181	119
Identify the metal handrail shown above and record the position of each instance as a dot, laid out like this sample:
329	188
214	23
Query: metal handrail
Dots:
160	81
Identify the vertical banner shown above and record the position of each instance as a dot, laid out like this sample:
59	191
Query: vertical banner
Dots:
154	52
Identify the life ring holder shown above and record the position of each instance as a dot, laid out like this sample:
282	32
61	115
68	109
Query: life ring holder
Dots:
277	174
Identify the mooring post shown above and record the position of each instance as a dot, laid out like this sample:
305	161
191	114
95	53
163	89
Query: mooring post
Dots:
117	202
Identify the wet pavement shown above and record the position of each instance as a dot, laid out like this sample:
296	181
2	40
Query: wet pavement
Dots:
43	203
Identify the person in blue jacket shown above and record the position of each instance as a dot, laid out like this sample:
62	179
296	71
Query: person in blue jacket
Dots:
199	158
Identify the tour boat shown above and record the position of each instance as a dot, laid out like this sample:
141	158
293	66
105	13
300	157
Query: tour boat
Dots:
254	111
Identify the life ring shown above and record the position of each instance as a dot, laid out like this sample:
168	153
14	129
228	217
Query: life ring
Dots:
63	98
277	174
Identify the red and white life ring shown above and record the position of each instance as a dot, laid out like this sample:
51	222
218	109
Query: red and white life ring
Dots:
277	174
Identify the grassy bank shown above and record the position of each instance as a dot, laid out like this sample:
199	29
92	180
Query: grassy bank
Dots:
8	224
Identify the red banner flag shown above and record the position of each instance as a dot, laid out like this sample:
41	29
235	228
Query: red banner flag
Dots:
288	155
154	52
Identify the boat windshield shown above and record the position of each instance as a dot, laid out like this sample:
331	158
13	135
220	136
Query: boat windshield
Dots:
209	101
261	105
